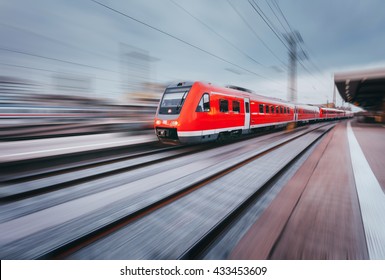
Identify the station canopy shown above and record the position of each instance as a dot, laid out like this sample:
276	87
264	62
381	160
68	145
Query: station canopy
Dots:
365	89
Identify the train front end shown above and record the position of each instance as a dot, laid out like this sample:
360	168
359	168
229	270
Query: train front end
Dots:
167	119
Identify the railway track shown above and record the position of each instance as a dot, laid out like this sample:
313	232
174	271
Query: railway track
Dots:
32	177
88	223
25	184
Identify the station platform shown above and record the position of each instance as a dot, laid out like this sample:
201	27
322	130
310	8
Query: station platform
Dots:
30	149
333	207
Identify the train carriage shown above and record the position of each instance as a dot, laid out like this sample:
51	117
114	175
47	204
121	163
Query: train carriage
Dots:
332	114
196	112
200	112
308	113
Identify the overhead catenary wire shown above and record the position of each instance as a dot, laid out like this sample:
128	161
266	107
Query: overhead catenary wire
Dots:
283	15
276	31
215	32
55	59
59	42
278	8
259	11
52	71
276	16
255	33
180	40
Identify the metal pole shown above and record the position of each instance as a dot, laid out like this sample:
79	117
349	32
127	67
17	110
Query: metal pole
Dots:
292	89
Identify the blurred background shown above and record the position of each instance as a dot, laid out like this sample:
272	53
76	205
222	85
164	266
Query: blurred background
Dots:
88	66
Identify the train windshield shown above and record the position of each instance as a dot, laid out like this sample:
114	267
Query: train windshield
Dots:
173	99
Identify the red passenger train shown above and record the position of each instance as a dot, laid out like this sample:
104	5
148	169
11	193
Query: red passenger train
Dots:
196	112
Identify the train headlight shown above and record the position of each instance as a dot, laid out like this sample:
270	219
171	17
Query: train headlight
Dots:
158	122
174	123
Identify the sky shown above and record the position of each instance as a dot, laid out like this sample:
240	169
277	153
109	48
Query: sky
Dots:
105	48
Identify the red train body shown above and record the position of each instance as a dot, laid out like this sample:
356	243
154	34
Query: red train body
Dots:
195	112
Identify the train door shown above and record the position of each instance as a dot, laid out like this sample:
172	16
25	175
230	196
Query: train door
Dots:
295	113
246	126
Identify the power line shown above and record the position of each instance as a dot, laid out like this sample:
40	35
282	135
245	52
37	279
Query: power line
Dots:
276	16
178	39
215	32
266	19
51	71
255	34
278	8
57	41
284	17
55	59
293	38
301	41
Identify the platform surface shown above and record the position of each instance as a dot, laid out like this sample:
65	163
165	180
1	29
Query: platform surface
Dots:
29	149
332	208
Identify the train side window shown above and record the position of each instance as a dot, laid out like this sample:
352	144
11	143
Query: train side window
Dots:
204	104
261	108
284	110
267	109
272	109
236	107
223	105
288	110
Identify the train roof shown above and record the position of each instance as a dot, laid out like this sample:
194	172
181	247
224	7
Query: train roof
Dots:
180	84
240	91
244	92
331	109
